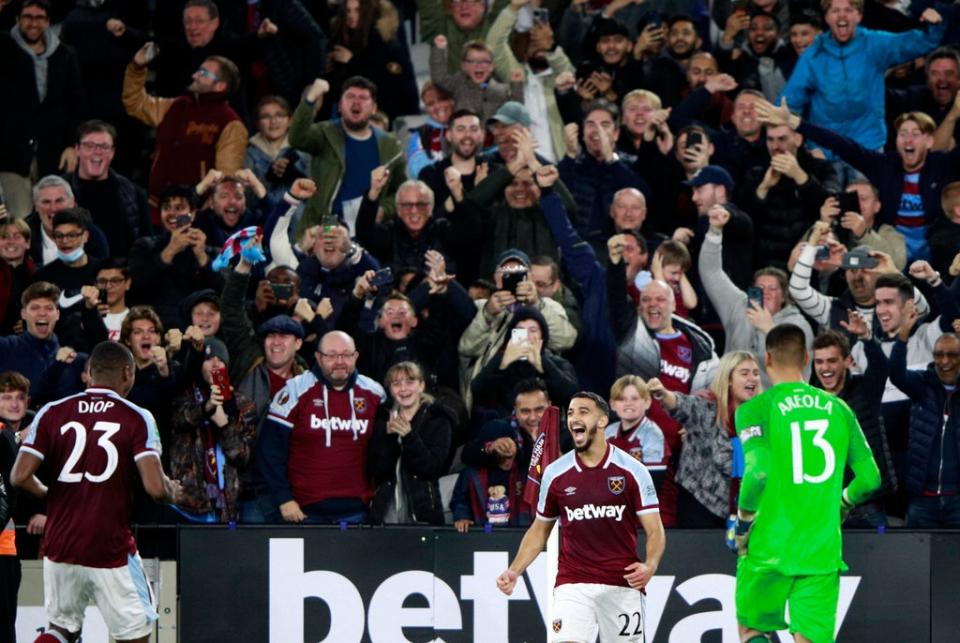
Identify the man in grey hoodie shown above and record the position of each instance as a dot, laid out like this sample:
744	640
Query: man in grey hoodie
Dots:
42	106
746	320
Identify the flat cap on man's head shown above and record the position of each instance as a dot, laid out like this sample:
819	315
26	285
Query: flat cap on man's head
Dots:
512	113
281	324
711	174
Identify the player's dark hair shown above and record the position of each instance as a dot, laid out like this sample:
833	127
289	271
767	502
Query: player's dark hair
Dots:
14	381
898	281
787	345
107	361
597	400
530	385
829	338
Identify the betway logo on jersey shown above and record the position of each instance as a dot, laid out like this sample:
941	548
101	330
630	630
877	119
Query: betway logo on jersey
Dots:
677	372
338	424
591	512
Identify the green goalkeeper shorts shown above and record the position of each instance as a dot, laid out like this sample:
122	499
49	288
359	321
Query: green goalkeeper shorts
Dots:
762	596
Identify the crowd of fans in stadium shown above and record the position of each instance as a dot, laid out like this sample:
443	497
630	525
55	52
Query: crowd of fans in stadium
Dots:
621	196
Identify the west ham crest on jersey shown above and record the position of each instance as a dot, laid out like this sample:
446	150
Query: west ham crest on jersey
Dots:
616	484
557	624
685	353
359	404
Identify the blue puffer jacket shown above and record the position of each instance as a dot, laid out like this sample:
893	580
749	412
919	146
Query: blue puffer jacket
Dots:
841	86
927	461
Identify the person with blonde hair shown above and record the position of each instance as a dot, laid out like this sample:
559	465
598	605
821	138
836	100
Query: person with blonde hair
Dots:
410	451
711	461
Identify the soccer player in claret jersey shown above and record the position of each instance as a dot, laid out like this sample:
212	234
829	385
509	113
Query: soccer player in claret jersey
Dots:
797	441
95	442
601	495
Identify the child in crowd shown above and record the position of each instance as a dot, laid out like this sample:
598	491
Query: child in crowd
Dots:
671	262
427	142
473	87
635	433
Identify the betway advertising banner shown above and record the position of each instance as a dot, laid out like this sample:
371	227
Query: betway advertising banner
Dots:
386	585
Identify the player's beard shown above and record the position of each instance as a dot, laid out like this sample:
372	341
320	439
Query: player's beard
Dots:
591	436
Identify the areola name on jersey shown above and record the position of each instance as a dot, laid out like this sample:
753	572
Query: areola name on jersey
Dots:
793	402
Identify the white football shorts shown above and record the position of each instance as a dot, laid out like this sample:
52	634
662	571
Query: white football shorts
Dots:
122	594
582	610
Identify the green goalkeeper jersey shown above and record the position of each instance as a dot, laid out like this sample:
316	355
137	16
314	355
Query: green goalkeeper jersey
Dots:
797	440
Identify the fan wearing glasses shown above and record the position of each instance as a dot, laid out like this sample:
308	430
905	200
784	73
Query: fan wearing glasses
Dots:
196	132
72	269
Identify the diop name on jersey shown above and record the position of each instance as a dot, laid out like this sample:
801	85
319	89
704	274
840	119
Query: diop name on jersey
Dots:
591	511
98	406
795	402
338	424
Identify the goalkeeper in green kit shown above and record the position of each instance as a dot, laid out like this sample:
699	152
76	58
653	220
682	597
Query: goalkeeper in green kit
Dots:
796	440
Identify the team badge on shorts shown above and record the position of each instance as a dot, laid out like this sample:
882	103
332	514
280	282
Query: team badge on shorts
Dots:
359	404
557	624
616	484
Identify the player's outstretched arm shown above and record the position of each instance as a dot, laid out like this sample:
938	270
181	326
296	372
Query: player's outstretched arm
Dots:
530	547
23	474
639	573
162	489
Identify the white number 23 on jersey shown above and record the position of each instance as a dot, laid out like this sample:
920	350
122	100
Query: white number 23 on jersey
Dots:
107	430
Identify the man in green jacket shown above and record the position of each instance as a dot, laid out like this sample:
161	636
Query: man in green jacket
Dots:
345	151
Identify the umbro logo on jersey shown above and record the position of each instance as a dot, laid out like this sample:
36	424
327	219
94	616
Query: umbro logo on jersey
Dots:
591	511
570	491
616	484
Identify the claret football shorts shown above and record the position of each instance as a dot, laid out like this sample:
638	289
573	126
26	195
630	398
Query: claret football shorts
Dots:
580	610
